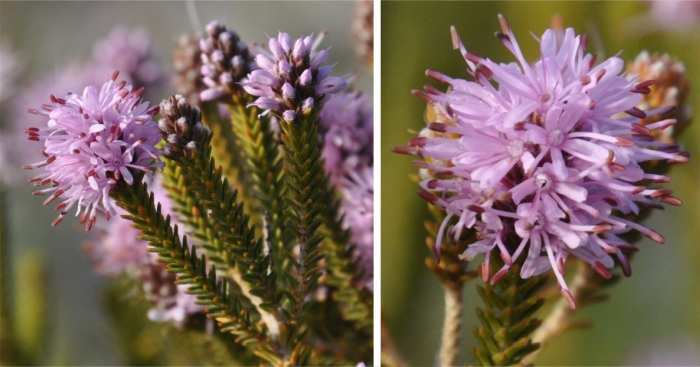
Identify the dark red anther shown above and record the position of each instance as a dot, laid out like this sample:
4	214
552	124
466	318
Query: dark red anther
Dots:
616	167
32	111
418	142
153	110
417	163
599	75
622	142
625	265
672	200
431	90
483	70
433	184
645	83
503	38
656	237
641	90
115	74
594	58
585	79
627	247
636	112
600	269
433	74
56	221
610	201
138	92
661	193
438	127
476	209
637	190
427	196
405	150
640	129
422	95
473	57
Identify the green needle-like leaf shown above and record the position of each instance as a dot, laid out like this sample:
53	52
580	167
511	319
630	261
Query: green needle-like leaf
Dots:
221	304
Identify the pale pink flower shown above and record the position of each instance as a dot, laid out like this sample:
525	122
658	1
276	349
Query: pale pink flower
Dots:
542	160
293	79
348	133
92	141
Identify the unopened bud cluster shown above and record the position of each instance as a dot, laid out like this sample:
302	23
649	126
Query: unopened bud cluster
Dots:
181	126
226	60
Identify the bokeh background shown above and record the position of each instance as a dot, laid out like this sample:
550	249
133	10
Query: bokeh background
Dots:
47	267
651	318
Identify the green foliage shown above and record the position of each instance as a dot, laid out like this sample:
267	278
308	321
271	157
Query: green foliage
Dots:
507	320
304	180
261	162
223	143
344	276
210	291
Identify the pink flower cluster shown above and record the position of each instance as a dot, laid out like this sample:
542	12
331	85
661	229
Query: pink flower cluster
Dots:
542	160
293	79
348	133
347	153
92	141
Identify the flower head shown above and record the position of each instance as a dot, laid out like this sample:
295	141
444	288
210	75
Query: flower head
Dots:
542	160
131	53
187	65
93	141
226	61
348	133
292	80
181	126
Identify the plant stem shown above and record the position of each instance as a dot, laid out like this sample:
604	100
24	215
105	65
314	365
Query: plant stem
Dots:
449	349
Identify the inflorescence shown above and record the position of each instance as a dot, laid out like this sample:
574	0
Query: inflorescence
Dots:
542	160
94	140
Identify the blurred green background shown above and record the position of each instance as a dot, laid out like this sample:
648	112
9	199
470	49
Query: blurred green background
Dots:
652	317
48	36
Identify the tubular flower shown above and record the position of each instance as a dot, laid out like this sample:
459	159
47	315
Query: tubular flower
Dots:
94	140
543	160
292	80
226	61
